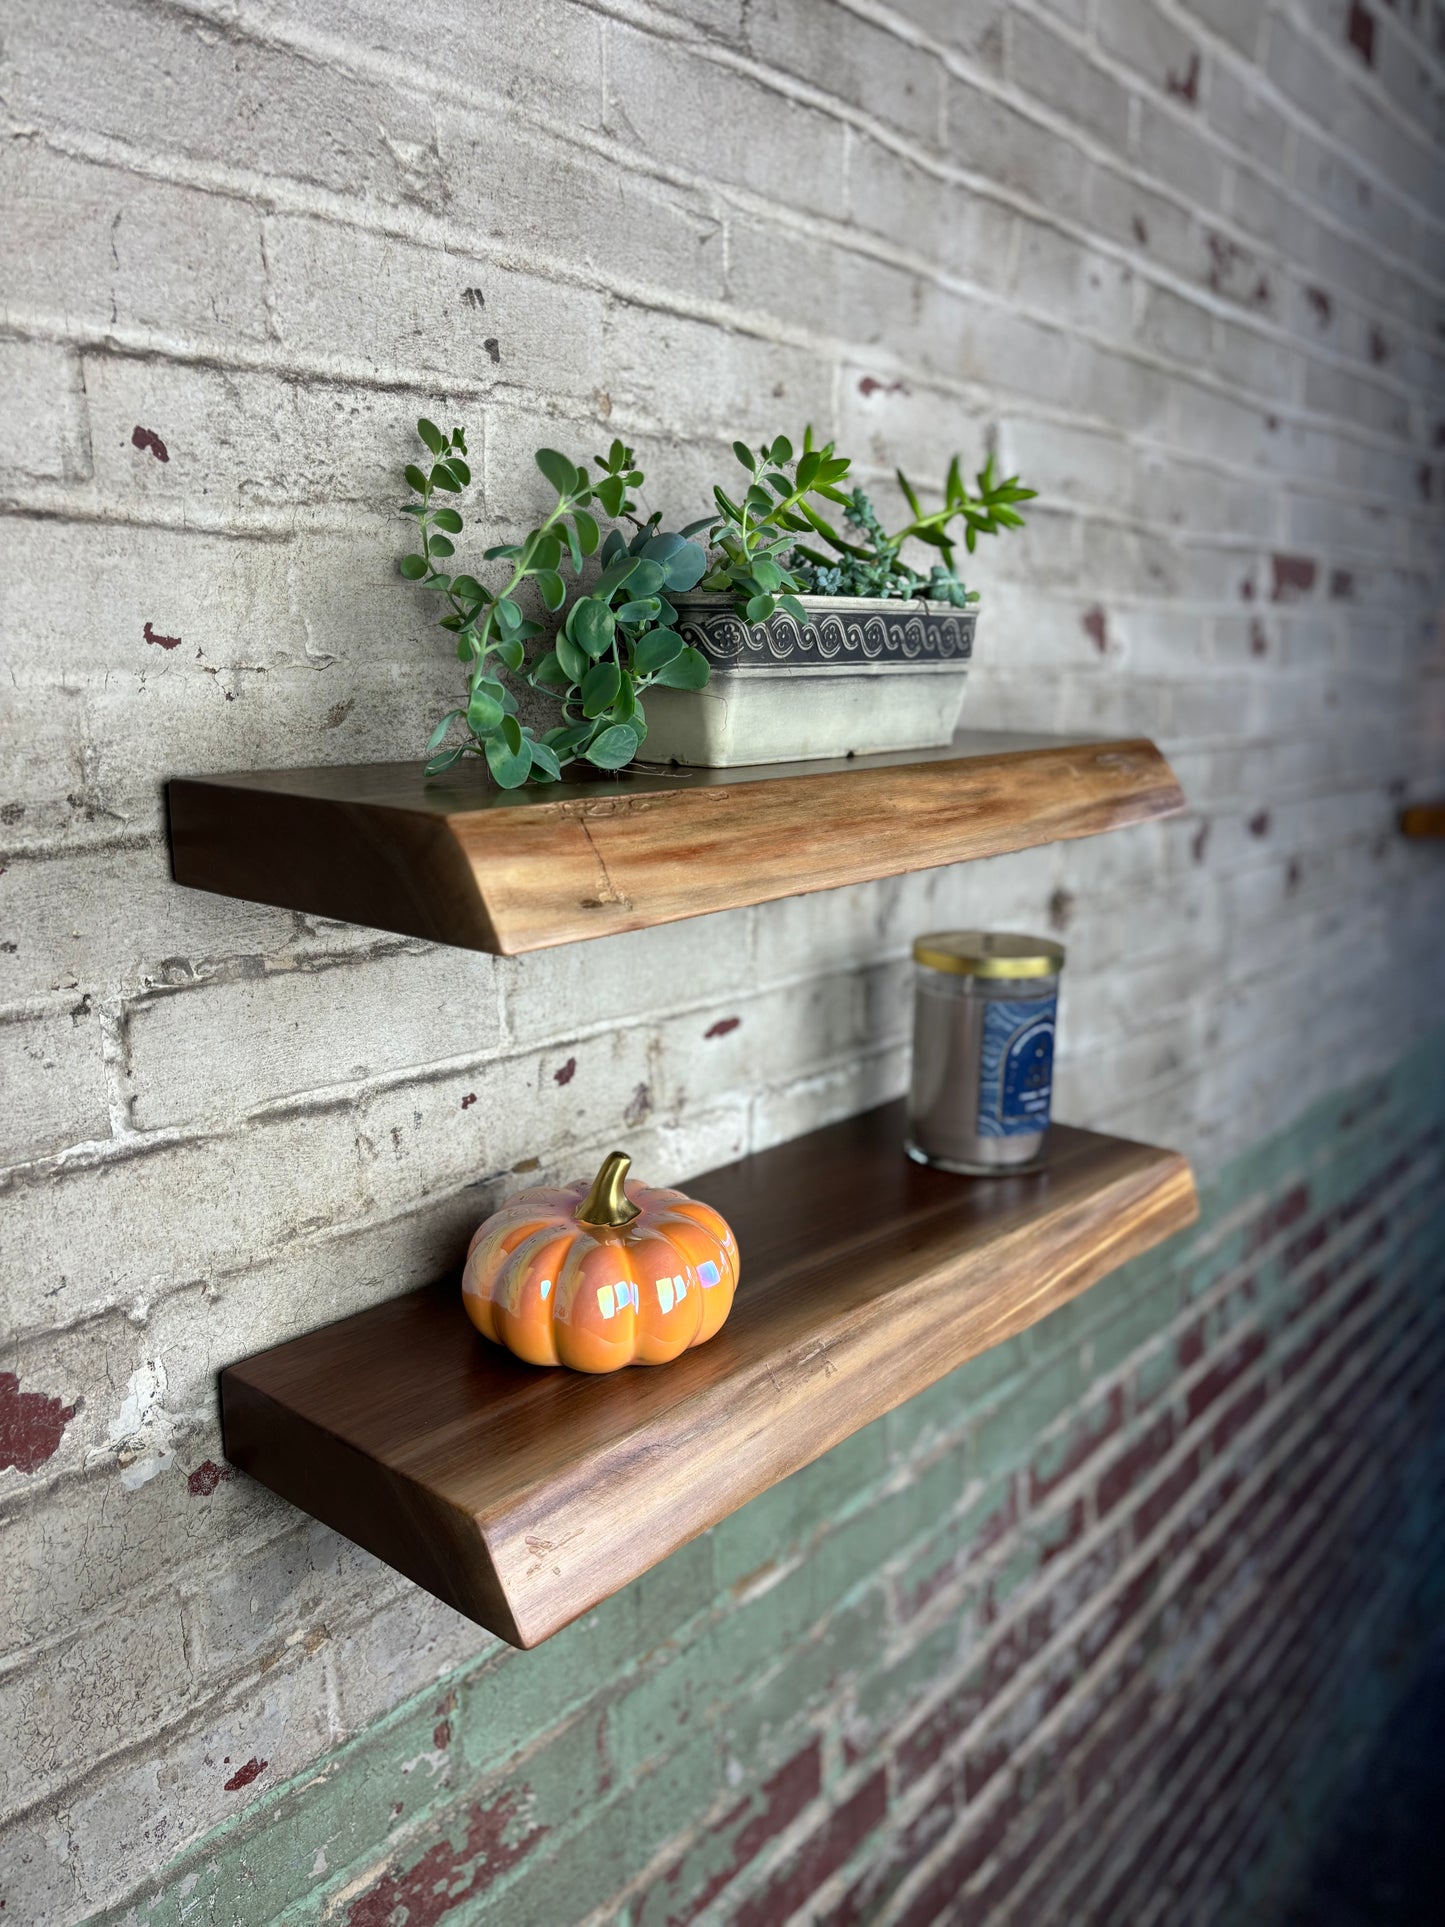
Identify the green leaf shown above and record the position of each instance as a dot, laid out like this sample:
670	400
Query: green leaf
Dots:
808	468
745	456
591	624
449	520
953	489
572	658
646	579
655	650
511	766
548	670
552	588
507	549
413	567
561	473
431	435
442	477
619	570
574	547
779	484
544	551
759	501
760	607
511	652
781	450
470	590
725	502
452	716
696	528
485	708
767	574
794	608
442	545
508	614
687	671
459	468
437	764
645	610
614	747
567	737
611	494
588	533
544	763
908	494
414	475
599	688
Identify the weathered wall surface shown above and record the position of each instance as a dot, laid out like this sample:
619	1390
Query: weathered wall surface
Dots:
1181	262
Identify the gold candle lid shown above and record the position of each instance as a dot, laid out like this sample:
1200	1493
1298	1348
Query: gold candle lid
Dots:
988	953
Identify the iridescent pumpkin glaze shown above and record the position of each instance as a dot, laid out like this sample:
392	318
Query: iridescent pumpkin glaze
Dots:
599	1277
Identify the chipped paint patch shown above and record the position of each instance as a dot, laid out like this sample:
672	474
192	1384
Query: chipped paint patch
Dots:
32	1425
140	1438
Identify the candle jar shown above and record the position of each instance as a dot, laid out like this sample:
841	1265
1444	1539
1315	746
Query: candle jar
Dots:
983	1050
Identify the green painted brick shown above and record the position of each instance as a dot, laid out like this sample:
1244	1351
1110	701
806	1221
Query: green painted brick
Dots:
1008	1437
831	1660
777	1524
610	1845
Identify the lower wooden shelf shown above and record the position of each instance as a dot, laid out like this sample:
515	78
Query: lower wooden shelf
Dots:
523	1497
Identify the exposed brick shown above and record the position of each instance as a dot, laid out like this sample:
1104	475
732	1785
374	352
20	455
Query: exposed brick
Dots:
820	1854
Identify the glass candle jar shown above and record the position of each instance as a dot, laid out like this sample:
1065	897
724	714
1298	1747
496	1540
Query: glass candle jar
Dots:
983	1050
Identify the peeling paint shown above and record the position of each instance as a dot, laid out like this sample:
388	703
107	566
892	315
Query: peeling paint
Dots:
141	1436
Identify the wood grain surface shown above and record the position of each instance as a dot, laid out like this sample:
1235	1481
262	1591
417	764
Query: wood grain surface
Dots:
461	863
1423	819
524	1496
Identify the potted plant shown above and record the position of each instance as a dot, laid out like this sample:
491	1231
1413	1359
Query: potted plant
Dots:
784	652
611	644
833	652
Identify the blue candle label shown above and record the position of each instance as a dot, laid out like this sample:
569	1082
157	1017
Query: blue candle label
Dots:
1015	1079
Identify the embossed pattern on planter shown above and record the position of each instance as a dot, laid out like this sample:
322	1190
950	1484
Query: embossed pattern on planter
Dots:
840	630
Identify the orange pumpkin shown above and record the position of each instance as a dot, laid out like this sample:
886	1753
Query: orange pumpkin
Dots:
601	1277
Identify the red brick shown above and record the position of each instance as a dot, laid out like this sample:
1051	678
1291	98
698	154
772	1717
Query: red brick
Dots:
934	1902
752	1823
1238	1416
819	1856
1218	1380
1166	1495
1085	1438
1124	1474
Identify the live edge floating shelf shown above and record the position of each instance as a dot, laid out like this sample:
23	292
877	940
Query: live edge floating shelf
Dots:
462	863
523	1497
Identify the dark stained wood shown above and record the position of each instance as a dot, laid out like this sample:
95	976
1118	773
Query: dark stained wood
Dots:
1423	819
456	861
523	1496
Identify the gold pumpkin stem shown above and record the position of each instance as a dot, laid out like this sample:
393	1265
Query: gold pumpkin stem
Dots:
607	1204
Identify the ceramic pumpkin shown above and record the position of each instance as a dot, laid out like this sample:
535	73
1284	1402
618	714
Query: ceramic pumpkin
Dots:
601	1277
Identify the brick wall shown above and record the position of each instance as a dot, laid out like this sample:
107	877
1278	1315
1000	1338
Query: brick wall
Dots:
1058	1622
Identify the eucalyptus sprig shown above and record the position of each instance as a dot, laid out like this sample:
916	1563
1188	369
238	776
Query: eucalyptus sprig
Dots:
615	641
874	566
752	536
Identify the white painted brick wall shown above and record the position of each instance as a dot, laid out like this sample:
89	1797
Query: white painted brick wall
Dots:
1179	260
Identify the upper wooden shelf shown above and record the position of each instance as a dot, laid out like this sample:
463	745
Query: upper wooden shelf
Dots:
459	862
1423	819
523	1496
